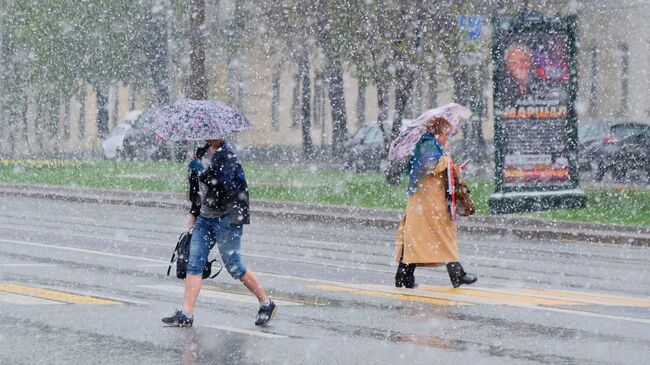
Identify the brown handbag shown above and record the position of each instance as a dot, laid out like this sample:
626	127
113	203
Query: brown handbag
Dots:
464	204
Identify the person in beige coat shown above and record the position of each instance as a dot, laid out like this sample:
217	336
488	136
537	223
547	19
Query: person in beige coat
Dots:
427	232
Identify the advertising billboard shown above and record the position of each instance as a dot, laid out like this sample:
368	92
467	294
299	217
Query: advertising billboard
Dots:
535	84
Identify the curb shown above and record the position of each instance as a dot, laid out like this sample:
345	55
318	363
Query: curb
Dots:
524	228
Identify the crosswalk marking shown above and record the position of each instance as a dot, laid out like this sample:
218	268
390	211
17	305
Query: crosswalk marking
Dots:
52	295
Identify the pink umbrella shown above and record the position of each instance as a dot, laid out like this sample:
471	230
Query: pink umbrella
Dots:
402	147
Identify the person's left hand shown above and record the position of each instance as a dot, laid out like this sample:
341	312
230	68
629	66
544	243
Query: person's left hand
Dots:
196	166
191	219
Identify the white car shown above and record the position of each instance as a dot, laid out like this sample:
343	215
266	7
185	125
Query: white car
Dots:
113	144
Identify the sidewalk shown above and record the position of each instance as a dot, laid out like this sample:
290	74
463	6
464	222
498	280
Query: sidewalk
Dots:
494	225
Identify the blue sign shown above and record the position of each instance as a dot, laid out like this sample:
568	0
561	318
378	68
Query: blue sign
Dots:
471	24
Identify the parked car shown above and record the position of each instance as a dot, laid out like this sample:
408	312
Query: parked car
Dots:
141	144
634	155
112	146
365	149
611	146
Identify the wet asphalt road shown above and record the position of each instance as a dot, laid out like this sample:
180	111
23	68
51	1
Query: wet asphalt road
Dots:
85	283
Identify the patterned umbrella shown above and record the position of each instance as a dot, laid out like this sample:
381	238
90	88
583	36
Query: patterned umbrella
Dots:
402	147
197	120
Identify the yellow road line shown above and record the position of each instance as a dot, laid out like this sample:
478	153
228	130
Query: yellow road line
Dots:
54	295
449	298
503	297
375	293
600	299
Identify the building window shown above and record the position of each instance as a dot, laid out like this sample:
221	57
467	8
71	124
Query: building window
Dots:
593	81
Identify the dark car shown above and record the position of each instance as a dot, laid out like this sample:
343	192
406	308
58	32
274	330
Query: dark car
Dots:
603	147
365	149
634	155
140	143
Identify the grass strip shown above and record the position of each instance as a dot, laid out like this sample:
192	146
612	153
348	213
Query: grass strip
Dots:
277	182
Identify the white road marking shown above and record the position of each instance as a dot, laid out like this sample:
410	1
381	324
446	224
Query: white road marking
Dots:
246	332
75	249
248	299
158	262
212	293
83	235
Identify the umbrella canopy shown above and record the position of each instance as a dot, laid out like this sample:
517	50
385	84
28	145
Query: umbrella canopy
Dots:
402	147
197	120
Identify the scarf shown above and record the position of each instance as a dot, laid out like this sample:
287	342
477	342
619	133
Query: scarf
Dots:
424	159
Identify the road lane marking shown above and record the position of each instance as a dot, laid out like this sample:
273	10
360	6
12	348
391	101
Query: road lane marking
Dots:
120	239
247	332
217	294
497	295
462	296
595	314
58	296
383	294
75	249
24	299
158	261
249	254
296	259
165	262
600	299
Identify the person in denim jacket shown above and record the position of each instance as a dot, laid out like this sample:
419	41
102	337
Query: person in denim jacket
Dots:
220	207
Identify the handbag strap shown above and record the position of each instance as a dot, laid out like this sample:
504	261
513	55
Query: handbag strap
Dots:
171	262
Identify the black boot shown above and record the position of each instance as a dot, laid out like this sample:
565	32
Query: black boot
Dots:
409	278
458	276
400	275
405	276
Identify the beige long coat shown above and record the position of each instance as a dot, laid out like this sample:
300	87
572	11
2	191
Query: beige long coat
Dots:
426	235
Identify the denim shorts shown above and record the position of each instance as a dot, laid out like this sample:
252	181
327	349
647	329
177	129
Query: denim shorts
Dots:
210	231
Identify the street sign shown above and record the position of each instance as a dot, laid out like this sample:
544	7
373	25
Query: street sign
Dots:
472	24
535	86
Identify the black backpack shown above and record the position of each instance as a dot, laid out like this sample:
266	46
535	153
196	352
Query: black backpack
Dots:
181	255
